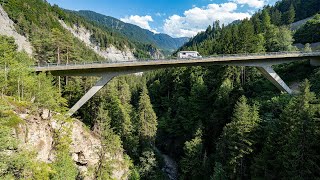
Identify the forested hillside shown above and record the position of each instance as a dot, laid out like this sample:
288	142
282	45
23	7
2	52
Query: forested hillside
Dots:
302	9
231	123
38	21
134	32
114	120
309	32
216	122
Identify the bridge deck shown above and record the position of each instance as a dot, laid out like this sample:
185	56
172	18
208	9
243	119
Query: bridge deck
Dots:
93	68
108	70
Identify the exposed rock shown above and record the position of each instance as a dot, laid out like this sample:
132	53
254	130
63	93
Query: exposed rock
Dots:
37	134
45	114
111	53
7	28
296	25
155	53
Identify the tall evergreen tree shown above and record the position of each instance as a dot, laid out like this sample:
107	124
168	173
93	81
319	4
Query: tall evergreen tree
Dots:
236	142
147	118
110	146
266	20
299	156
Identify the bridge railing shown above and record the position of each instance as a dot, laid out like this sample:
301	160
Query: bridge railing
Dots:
221	56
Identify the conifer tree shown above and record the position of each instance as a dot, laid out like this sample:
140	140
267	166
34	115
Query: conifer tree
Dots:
110	146
290	15
266	20
236	141
300	153
147	118
192	162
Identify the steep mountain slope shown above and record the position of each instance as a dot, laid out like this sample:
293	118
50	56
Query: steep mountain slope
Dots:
309	32
7	28
163	41
303	8
48	29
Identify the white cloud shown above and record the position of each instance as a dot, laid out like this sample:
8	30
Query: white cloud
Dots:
251	3
141	21
198	19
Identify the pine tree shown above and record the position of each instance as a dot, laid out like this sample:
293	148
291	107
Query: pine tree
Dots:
278	39
290	150
192	161
291	15
147	118
236	142
110	146
276	18
63	166
299	156
266	20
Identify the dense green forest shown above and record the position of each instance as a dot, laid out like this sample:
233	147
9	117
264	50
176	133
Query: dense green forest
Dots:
216	122
229	122
302	9
309	32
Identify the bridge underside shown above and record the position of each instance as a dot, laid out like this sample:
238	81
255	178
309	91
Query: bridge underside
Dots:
265	69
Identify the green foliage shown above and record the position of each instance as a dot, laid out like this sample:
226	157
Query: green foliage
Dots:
111	146
278	39
147	118
63	167
309	32
15	161
148	164
21	83
291	147
236	142
266	20
38	21
295	10
134	32
192	161
307	48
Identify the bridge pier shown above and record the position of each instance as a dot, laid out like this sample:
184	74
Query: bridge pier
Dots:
272	76
100	84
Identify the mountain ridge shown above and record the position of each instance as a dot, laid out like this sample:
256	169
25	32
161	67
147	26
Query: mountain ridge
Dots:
134	32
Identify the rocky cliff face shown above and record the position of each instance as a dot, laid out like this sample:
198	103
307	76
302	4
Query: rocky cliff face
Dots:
155	53
37	134
7	28
111	53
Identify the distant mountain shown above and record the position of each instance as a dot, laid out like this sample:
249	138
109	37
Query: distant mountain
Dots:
135	33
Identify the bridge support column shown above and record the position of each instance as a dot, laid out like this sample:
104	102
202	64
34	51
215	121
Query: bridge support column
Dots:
315	61
272	76
102	82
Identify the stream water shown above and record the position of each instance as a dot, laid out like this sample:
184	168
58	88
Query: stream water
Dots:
170	166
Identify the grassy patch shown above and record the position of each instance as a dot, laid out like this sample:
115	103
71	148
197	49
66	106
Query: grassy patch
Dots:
10	119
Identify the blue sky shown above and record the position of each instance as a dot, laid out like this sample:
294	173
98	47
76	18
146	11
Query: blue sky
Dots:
178	18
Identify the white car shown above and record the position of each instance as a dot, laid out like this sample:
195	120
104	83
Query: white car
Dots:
188	54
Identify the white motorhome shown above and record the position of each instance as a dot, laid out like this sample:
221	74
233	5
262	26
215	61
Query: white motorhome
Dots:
188	54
